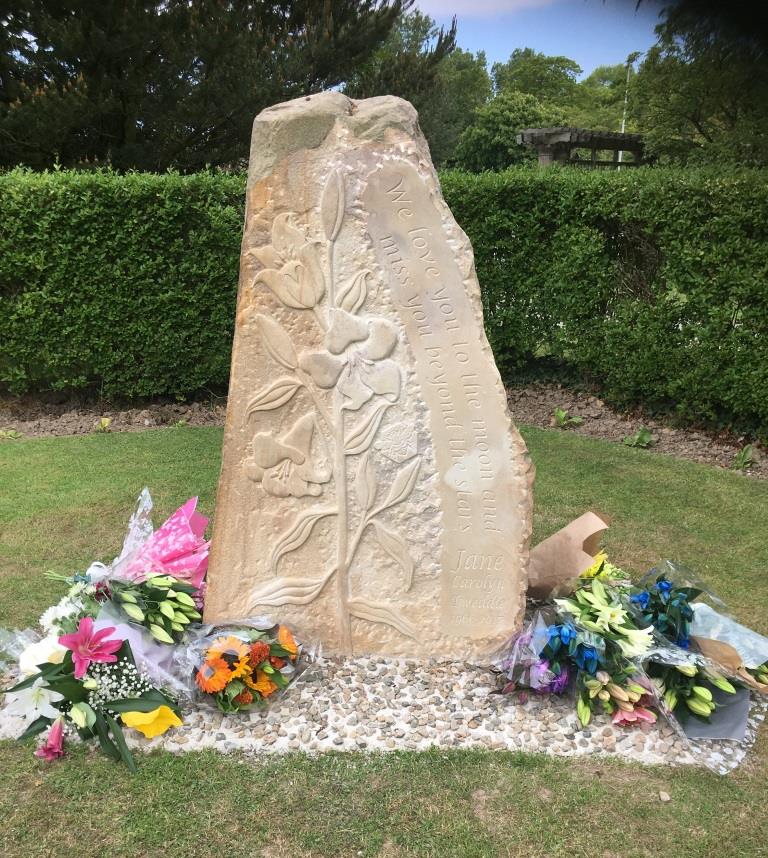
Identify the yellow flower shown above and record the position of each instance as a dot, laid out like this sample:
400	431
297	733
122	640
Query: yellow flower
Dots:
263	684
286	641
595	567
153	723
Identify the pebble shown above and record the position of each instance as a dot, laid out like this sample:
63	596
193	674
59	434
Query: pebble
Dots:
437	704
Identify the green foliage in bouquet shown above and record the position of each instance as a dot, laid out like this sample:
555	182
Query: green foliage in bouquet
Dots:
689	685
162	604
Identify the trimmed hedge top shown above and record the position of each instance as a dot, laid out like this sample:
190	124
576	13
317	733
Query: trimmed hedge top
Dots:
651	282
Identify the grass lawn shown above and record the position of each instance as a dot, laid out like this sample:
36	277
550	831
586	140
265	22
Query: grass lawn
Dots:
66	501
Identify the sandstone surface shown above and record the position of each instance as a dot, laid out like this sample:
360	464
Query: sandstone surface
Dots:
374	493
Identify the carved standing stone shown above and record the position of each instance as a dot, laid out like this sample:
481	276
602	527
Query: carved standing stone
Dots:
374	493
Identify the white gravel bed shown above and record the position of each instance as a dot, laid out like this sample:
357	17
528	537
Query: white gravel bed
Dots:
382	704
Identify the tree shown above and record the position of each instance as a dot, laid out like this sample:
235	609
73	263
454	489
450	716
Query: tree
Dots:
490	142
549	79
408	65
701	91
157	83
462	85
419	62
598	100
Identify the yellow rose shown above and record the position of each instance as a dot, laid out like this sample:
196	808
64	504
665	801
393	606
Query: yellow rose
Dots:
153	723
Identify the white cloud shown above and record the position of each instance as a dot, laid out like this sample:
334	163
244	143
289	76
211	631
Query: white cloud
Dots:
478	8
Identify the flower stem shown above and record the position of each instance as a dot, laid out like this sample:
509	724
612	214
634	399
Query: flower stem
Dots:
340	478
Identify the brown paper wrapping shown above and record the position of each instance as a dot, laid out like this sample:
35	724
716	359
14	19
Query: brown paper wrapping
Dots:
729	659
563	556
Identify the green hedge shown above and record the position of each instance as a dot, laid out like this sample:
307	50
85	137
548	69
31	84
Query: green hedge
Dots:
651	283
119	285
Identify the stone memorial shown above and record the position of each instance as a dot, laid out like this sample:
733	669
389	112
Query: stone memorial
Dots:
374	493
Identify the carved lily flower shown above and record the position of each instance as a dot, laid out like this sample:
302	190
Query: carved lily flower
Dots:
292	267
286	466
356	359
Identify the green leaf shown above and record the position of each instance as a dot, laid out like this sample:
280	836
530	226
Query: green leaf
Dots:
20	686
117	734
35	728
102	732
148	702
71	688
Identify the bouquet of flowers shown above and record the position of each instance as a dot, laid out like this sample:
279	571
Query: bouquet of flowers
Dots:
680	681
157	581
93	688
238	669
591	646
667	608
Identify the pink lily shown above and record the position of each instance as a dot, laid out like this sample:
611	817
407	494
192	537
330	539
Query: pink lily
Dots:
636	715
54	744
87	646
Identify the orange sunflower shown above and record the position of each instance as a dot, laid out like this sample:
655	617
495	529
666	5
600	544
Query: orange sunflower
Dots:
213	675
233	652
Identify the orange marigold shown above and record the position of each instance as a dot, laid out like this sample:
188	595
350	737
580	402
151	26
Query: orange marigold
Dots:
263	683
213	675
259	653
243	698
276	661
286	641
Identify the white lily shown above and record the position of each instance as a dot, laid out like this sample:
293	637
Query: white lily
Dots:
610	615
33	702
635	642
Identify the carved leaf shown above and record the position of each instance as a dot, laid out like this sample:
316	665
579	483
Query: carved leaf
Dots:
381	612
403	483
284	284
353	294
365	482
395	546
289	591
274	396
361	437
277	342
332	205
310	274
297	534
286	236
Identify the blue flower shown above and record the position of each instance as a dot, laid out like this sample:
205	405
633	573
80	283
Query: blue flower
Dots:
641	599
586	658
683	640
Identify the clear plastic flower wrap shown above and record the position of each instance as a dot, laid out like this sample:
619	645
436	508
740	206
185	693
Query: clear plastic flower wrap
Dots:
13	643
243	664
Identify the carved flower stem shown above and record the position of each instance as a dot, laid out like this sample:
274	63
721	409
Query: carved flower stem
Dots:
340	479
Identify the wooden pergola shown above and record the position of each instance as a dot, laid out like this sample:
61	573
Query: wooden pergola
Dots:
554	146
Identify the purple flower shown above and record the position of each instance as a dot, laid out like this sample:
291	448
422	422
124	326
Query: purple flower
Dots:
560	682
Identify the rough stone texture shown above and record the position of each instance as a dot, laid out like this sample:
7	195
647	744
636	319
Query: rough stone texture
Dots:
383	704
374	492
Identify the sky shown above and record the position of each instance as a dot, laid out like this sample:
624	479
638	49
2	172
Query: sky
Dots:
592	32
